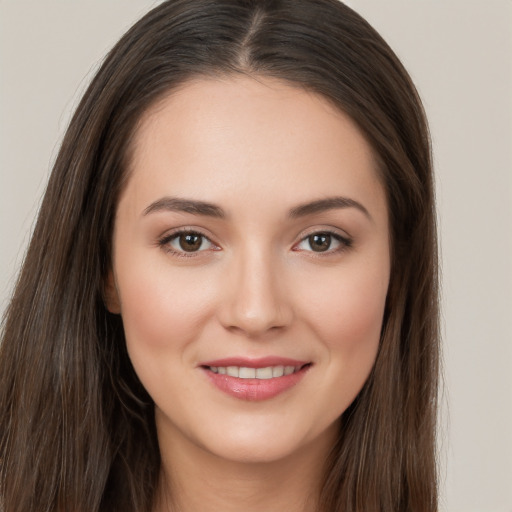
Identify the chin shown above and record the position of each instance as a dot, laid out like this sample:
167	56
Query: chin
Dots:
254	451
255	444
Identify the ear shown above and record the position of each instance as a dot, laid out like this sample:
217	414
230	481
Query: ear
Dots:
111	295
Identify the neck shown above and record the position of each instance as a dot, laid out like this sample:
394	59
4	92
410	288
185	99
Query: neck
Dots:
194	479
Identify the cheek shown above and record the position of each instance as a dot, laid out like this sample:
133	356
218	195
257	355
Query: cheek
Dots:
163	312
358	322
347	319
348	314
162	309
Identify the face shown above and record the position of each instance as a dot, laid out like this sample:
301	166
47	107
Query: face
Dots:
250	266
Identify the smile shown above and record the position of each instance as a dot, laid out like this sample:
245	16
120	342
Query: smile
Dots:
243	372
255	380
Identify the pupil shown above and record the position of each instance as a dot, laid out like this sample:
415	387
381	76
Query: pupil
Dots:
320	242
190	242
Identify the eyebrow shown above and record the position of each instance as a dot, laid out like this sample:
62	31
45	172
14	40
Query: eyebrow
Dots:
195	207
329	203
176	204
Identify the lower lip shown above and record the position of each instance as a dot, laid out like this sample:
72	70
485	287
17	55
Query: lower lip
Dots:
255	389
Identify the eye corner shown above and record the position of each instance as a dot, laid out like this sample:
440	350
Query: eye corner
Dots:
324	246
173	243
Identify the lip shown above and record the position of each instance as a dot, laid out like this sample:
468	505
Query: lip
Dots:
261	362
255	389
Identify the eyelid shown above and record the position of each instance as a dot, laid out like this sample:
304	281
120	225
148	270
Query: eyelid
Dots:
345	240
164	241
341	236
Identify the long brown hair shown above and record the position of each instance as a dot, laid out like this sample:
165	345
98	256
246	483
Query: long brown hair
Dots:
77	428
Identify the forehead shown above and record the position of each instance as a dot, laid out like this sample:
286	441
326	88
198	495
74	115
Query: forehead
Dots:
249	135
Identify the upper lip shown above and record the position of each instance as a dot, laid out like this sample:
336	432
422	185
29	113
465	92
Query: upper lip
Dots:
261	362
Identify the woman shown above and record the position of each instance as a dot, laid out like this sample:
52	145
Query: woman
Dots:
229	300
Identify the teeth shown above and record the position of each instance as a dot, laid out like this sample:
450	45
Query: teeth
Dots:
232	371
242	372
278	371
247	373
288	370
264	373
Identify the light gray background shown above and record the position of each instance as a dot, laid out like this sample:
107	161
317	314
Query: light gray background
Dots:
459	52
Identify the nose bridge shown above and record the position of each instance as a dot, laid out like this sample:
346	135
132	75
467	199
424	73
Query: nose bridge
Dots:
255	301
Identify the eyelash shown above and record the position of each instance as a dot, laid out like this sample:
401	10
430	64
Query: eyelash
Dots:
345	243
165	242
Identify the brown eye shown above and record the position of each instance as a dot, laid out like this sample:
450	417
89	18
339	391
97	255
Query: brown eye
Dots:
324	242
190	242
320	242
187	242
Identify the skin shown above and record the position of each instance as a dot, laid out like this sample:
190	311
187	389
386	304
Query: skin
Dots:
257	148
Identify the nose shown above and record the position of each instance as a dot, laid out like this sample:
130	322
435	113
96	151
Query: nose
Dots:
256	300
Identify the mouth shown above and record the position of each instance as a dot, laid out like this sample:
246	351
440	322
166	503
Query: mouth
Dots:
265	373
255	380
